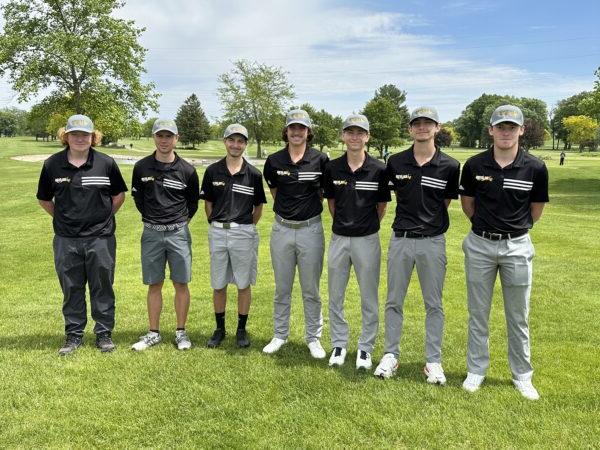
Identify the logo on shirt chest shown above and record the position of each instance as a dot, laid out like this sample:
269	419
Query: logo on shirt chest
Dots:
283	173
62	180
218	183
147	179
487	178
340	182
404	176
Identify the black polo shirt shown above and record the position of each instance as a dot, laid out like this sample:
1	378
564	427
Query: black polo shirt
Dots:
165	193
356	195
503	195
233	196
82	195
421	191
299	185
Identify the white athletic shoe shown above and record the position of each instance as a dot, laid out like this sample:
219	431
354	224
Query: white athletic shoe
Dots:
363	360
338	357
526	389
147	341
274	345
316	350
473	382
387	366
435	373
182	340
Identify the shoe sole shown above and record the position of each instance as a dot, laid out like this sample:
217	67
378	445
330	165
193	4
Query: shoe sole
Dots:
106	350
364	367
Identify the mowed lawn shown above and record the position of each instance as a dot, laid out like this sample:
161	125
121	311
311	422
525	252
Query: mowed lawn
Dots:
241	398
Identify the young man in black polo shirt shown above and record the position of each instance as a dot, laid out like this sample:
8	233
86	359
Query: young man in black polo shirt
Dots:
425	180
503	192
294	175
357	193
82	189
165	190
233	194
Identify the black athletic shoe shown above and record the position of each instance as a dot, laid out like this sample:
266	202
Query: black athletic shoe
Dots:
71	344
104	342
241	338
216	338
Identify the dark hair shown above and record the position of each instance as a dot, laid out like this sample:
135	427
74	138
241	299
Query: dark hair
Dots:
285	139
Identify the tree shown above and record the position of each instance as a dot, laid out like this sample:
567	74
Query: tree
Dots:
533	136
134	128
147	127
192	123
443	138
326	127
8	124
590	104
255	95
87	58
384	122
565	108
583	130
397	97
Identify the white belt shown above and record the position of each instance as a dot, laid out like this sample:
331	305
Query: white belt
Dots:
225	225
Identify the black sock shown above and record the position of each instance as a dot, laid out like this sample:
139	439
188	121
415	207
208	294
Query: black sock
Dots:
180	329
242	318
220	319
155	331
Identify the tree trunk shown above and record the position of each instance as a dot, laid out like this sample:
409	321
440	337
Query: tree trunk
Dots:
258	148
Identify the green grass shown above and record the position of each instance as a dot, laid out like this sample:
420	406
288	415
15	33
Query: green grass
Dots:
233	398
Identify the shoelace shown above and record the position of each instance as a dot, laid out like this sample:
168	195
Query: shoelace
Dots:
363	354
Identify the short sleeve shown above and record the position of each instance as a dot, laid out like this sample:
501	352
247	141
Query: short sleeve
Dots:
467	184
269	174
259	190
117	183
452	184
45	191
539	192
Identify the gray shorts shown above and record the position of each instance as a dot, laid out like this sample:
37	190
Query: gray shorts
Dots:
233	256
162	247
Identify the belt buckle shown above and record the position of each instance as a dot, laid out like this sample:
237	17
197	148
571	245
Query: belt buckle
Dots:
495	236
226	226
295	225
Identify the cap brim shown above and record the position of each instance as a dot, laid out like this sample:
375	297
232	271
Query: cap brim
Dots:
79	129
355	126
164	129
424	117
238	133
504	121
299	122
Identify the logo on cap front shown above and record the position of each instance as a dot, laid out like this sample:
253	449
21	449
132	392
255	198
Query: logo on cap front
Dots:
509	113
424	111
80	122
165	123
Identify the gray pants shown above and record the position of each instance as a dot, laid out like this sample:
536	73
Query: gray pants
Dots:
364	253
302	247
86	260
483	260
429	255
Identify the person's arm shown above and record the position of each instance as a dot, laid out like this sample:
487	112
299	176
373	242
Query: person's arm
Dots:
381	208
208	208
536	210
468	205
447	202
331	205
48	206
137	190
192	195
117	201
273	192
257	213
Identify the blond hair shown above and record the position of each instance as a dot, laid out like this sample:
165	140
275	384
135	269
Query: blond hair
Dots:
96	137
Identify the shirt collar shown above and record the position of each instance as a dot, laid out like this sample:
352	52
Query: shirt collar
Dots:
304	159
242	171
366	165
159	165
88	162
518	161
434	161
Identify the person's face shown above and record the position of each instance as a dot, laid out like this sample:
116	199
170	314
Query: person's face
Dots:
165	141
235	145
423	129
297	134
506	135
355	138
79	141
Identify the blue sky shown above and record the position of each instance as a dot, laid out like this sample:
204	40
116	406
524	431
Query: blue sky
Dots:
337	53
